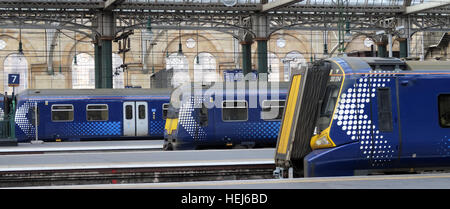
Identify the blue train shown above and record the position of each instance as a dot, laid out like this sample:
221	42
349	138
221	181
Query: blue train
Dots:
240	116
85	114
374	115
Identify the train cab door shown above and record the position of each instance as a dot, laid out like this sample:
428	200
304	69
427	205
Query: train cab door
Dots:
382	135
135	118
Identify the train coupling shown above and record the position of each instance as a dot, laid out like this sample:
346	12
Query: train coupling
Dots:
279	173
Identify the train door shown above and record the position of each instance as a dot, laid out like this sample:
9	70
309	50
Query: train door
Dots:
142	119
382	136
135	118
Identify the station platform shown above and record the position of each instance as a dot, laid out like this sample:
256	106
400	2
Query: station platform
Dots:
135	159
125	166
81	146
410	181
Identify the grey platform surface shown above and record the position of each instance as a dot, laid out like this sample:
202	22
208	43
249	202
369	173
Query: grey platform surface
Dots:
83	146
135	159
413	181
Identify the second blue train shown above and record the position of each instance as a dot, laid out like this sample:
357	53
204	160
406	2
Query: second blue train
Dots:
242	114
90	114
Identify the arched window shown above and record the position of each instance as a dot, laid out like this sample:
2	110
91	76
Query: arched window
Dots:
83	72
180	67
205	68
15	64
274	67
292	62
117	72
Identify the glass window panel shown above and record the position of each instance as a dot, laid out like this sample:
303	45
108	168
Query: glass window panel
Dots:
61	113
97	112
141	110
128	112
234	111
444	110
83	72
205	68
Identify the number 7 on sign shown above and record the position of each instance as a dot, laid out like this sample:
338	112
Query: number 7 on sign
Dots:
13	79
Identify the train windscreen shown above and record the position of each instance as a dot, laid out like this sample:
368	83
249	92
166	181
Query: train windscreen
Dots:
329	101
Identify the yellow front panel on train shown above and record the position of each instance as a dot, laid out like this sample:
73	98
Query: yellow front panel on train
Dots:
168	124
171	124
174	125
289	115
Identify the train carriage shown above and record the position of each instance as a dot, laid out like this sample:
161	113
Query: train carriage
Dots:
244	116
91	114
377	115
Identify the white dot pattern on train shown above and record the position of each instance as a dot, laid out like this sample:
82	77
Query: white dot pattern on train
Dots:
187	120
22	120
352	117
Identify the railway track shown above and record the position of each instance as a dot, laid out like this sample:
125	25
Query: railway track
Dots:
125	165
134	175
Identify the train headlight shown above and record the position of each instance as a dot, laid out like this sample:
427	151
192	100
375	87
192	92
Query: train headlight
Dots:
322	140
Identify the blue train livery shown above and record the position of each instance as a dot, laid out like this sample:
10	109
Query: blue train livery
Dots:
90	114
379	115
242	114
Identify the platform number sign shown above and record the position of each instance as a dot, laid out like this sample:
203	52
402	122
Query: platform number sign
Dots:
13	80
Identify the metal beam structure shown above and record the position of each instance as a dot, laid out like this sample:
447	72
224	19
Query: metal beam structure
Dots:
111	4
81	16
88	17
426	6
277	4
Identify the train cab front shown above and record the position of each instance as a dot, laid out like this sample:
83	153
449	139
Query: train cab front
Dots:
181	126
170	128
331	147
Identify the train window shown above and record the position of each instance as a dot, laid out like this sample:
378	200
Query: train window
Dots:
128	112
141	111
165	109
384	109
331	95
97	112
328	105
272	109
444	110
62	113
234	110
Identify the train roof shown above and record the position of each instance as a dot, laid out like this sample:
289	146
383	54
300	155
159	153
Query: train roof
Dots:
95	92
391	64
238	85
357	63
428	65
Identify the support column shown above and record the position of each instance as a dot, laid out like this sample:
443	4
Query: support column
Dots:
390	44
404	35
246	57
106	72
260	26
262	55
403	47
98	65
381	42
106	25
325	44
381	48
